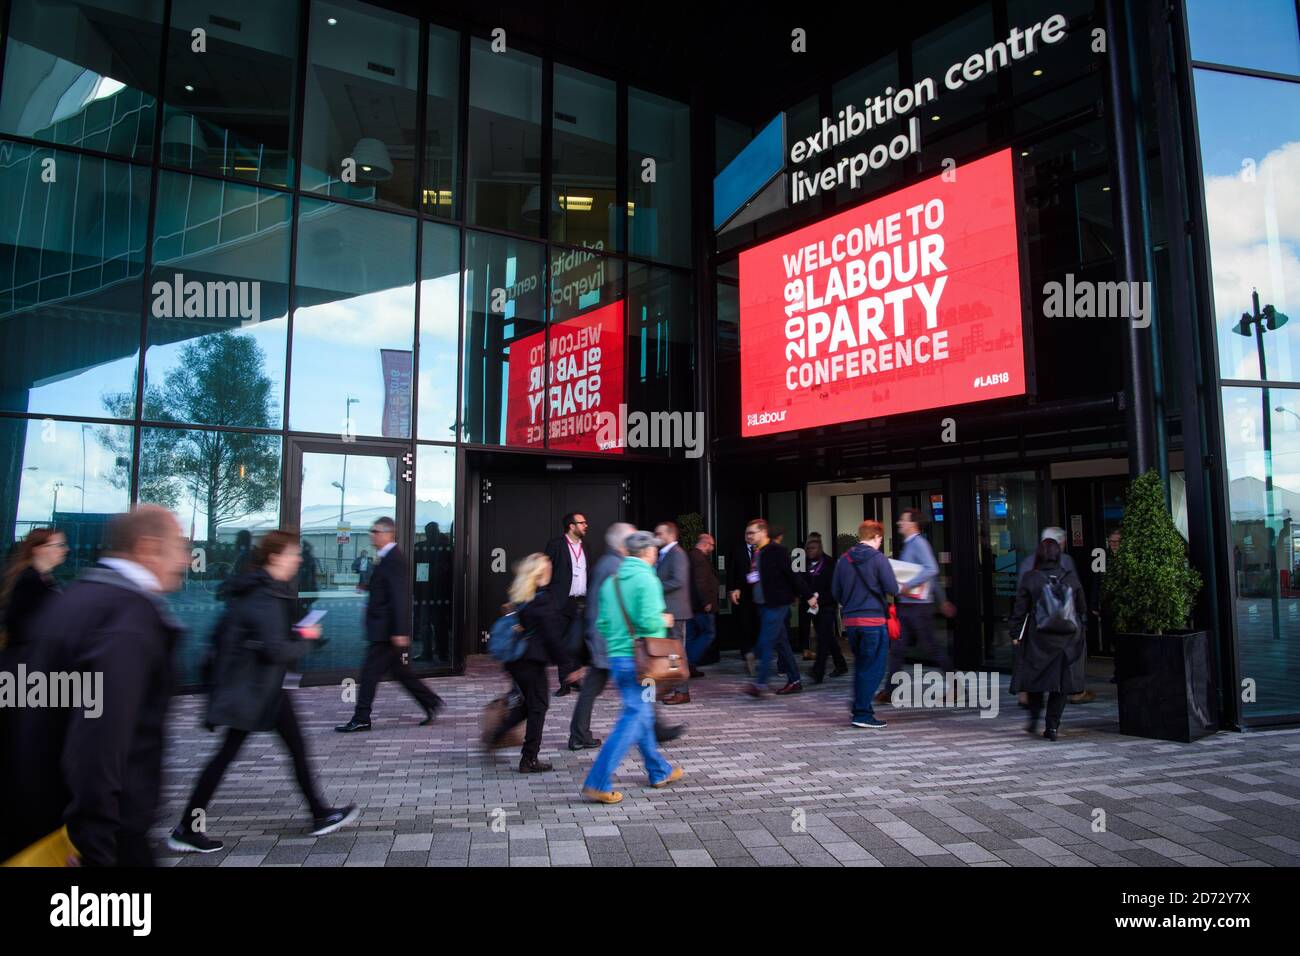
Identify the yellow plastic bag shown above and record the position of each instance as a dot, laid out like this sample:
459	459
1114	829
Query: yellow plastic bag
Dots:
52	850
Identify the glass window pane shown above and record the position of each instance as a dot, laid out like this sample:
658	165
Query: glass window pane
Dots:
934	53
434	537
659	177
660	331
362	89
1261	34
439	329
505	139
83	73
71	261
505	281
219	298
442	124
1261	429
70	475
1251	163
584	170
584	377
225	489
353	321
229	106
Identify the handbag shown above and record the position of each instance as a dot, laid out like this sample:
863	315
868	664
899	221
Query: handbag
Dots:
495	714
892	625
661	659
55	849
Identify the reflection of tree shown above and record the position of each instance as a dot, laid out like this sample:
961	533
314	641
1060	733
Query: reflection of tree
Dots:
218	380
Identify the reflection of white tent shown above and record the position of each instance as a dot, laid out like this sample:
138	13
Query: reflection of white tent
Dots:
1248	501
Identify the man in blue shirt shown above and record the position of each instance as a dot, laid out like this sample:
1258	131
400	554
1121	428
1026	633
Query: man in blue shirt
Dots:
916	602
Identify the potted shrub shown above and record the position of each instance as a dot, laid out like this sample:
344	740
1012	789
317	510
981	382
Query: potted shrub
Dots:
1165	671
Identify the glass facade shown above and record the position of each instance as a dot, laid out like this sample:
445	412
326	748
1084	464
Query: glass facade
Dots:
1251	166
265	265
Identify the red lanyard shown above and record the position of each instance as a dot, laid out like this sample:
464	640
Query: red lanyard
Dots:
574	552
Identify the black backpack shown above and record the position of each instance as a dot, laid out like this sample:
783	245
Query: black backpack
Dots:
1054	611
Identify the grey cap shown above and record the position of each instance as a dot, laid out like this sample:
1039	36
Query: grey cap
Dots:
1055	534
638	541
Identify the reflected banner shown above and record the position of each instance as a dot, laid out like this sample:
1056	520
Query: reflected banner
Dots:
908	302
583	377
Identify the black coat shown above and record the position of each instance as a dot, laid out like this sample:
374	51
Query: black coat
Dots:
255	648
737	568
1048	662
780	583
557	549
545	627
31	590
99	775
388	612
821	581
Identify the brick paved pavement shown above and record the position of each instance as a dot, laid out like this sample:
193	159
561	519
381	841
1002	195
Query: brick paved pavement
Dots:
937	788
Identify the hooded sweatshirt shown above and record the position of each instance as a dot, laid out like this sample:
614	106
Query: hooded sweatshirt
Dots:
643	598
858	600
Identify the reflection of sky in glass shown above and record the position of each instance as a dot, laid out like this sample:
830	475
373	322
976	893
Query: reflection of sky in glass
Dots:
46	462
1250	145
1258	34
81	391
269	334
435	487
438	343
1243	431
365	495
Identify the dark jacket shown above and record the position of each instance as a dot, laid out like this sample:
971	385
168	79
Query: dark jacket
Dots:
557	549
544	626
779	582
855	598
99	775
31	590
607	565
737	568
1048	662
256	647
388	612
818	576
674	570
704	582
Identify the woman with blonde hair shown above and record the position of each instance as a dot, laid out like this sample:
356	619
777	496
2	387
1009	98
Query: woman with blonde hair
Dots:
531	598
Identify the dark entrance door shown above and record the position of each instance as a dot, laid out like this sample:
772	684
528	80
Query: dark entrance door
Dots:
518	515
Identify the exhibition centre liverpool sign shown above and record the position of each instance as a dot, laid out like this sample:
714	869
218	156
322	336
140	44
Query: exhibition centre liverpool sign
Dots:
908	302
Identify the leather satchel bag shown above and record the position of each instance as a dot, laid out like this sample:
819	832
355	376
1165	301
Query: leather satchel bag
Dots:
661	659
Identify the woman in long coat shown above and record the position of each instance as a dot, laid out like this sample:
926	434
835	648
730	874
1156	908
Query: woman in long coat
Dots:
1048	661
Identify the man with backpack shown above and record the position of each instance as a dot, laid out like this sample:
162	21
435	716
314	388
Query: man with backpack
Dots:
1047	629
862	578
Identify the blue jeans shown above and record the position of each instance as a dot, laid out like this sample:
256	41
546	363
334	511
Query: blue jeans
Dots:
870	646
700	631
772	632
636	725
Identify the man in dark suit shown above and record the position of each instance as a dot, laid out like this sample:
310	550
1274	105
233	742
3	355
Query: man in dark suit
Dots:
674	570
569	590
741	592
97	768
388	630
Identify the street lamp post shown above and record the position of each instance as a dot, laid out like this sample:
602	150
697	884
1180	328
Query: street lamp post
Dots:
1256	323
83	467
55	506
347	409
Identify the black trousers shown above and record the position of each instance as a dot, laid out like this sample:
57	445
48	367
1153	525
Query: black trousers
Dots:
1055	707
382	658
535	698
828	644
286	725
747	622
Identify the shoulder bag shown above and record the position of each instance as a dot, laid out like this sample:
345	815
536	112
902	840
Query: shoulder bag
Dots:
662	659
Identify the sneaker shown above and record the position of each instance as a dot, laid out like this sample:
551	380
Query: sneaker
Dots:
871	723
334	819
601	796
352	726
671	778
189	841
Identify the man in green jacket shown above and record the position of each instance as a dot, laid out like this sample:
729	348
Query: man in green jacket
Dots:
632	595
